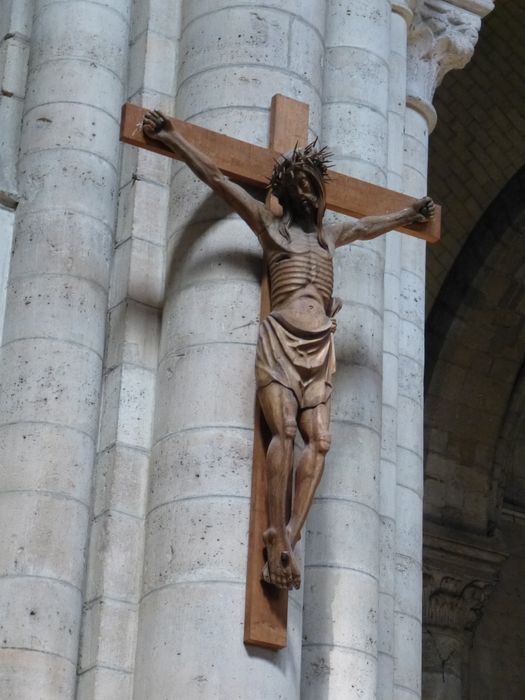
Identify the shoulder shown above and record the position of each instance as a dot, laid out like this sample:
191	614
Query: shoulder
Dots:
270	235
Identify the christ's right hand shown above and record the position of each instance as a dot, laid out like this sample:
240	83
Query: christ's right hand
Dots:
156	126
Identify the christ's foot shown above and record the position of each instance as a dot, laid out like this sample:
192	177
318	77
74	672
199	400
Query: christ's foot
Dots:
281	568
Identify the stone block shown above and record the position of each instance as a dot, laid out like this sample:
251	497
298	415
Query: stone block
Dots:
340	609
108	635
48	458
411	341
410	470
331	672
386	629
209	311
352	465
333	537
75	81
76	180
14	55
121	481
312	12
210	544
153	63
410	425
134	332
26	674
115	553
247	123
93	32
358	337
127	408
364	24
387	498
385	675
390	332
411	306
255	86
408	525
209	613
191	385
214	250
57	126
51	379
210	460
62	241
389	434
143	212
359	280
391	387
408	593
411	379
40	615
408	664
357	132
104	682
391	285
357	397
159	16
237	36
306	52
356	76
37	545
58	307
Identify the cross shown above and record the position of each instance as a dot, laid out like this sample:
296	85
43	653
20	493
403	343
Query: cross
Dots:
266	607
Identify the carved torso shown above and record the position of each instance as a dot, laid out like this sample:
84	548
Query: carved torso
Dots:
301	279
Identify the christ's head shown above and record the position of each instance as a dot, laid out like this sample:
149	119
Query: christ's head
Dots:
298	182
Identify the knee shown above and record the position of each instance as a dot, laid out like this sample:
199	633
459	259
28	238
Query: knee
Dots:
322	442
290	429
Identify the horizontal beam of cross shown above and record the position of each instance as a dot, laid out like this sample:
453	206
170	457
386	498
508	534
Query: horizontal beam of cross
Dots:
253	165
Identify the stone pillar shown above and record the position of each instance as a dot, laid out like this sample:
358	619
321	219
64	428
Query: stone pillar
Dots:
341	595
459	576
442	36
116	551
400	20
54	336
233	59
16	21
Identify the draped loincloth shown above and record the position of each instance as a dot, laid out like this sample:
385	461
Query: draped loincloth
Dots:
303	361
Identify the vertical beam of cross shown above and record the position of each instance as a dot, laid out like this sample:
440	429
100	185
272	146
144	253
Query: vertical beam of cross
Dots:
266	608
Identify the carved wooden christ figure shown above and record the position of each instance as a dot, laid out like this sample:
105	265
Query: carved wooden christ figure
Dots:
295	357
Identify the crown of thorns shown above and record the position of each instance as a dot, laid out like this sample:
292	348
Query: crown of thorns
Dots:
308	158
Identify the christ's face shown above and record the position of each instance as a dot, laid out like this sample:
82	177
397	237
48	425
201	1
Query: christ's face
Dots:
305	199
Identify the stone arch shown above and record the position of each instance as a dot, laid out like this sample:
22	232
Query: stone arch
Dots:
475	346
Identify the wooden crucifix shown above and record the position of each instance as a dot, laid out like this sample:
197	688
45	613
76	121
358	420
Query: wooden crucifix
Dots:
292	390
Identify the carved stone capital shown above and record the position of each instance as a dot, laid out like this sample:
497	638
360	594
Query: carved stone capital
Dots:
460	573
442	37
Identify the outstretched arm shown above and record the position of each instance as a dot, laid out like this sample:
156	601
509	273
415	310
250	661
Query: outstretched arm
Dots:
157	127
372	226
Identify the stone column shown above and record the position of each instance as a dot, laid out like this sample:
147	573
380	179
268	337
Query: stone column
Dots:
233	59
54	336
459	576
341	597
16	21
400	20
116	550
442	36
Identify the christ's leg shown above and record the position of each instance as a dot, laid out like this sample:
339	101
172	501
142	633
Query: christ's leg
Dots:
279	407
314	424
